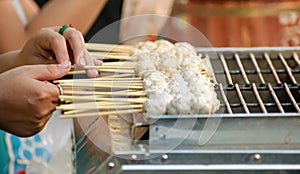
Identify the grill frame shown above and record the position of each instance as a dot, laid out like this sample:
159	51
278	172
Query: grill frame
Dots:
242	78
250	154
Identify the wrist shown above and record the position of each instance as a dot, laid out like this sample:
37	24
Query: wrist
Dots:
10	60
18	59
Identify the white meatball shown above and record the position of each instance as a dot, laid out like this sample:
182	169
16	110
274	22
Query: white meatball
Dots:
185	47
182	98
157	103
168	64
184	50
143	47
173	78
154	81
146	62
163	46
144	65
207	103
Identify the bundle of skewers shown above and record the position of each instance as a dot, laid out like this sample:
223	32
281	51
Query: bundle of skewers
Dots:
151	77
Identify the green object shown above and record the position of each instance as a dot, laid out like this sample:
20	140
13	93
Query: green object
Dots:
62	29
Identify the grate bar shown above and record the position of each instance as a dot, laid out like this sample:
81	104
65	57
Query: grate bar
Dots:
238	60
296	58
288	69
253	59
275	98
229	110
267	57
260	102
226	69
242	98
213	74
291	97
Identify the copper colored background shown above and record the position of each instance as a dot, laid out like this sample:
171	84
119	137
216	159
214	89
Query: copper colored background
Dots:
240	23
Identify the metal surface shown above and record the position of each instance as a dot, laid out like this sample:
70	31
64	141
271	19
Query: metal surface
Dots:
256	130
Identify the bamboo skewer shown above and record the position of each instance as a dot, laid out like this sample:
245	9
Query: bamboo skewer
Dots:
98	55
125	71
105	108
102	67
134	93
98	105
124	79
103	85
134	79
100	82
118	76
105	113
108	54
89	98
108	47
131	63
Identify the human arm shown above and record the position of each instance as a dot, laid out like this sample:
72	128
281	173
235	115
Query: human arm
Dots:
48	46
143	19
27	98
13	34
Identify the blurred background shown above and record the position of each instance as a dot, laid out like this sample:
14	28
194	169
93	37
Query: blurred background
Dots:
235	23
226	23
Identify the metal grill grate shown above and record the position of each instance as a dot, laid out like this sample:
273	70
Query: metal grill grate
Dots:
257	80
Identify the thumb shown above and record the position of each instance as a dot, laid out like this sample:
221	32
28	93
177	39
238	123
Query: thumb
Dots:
49	71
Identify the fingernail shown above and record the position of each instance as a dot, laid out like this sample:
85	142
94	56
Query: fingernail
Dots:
82	61
93	73
99	62
65	64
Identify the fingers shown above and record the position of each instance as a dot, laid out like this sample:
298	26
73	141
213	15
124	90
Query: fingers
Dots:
47	39
50	39
47	72
53	91
91	61
77	44
80	54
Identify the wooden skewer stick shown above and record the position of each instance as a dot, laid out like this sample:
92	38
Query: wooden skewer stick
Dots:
107	53
112	77
106	108
119	112
106	96
134	93
118	70
91	98
133	79
70	106
94	105
119	75
108	47
98	55
103	67
129	63
89	108
104	85
100	82
104	70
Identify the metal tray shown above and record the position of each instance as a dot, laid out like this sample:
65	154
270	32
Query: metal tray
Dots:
256	130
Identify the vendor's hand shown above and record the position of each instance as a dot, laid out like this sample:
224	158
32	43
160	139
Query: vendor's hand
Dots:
27	98
48	46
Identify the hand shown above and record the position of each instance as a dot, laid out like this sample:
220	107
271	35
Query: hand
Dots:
27	98
48	46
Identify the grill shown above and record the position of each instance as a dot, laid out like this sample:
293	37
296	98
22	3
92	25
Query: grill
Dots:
256	129
258	80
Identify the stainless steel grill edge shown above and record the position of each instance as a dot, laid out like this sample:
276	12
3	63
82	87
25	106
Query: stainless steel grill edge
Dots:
258	123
